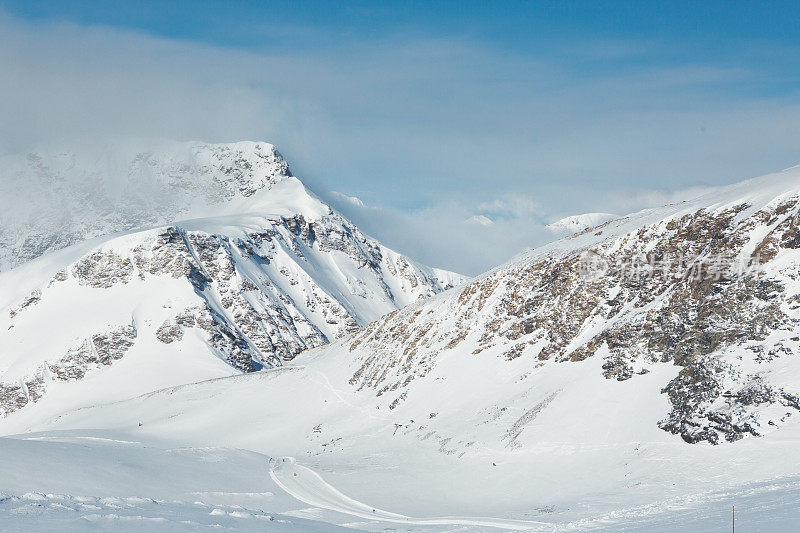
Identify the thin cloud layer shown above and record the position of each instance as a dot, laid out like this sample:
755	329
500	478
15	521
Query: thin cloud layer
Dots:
430	132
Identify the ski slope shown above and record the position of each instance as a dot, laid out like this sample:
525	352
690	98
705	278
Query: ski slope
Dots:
307	486
116	481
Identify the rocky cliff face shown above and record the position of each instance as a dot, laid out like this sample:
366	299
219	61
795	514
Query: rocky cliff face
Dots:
708	288
251	290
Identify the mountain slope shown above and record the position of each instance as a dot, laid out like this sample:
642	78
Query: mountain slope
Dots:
703	293
252	290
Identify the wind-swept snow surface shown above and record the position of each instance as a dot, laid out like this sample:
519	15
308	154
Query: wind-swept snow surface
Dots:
89	481
416	474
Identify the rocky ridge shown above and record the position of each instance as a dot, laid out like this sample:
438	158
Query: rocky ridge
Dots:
709	288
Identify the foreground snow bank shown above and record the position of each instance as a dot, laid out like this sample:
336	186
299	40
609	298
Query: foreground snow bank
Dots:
83	480
77	481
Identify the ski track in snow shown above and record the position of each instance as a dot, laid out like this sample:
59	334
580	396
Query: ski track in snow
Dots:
307	486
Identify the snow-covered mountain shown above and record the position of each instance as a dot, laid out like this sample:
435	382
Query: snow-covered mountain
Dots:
276	272
693	304
575	223
581	385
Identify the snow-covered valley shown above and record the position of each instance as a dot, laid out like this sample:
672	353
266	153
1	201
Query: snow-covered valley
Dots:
199	460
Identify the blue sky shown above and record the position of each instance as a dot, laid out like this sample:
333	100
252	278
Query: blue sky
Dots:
712	25
519	111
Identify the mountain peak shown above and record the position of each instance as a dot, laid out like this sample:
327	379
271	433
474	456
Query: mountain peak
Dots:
57	198
576	223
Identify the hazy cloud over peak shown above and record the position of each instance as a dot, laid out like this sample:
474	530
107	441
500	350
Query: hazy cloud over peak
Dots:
426	130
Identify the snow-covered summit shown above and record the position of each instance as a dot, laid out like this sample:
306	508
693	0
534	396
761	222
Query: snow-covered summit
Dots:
51	200
576	223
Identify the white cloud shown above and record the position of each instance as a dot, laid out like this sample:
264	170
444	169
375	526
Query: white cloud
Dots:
352	200
518	205
436	131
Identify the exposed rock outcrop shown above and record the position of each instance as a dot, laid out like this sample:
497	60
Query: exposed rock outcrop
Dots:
710	290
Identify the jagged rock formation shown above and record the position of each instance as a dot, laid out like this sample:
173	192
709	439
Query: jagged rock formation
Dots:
709	288
97	350
253	289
